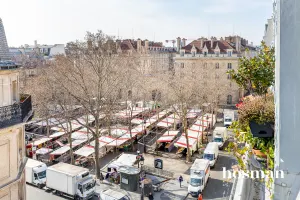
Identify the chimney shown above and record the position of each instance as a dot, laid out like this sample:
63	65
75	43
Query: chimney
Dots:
139	45
212	39
146	45
237	43
178	44
118	44
183	42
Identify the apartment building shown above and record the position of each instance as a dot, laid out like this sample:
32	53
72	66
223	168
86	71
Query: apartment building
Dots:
215	57
15	108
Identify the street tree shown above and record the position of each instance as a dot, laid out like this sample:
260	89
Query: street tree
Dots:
256	74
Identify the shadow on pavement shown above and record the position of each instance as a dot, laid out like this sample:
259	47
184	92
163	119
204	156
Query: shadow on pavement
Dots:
224	161
217	189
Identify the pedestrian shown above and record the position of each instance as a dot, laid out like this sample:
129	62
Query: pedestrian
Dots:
150	196
180	179
200	196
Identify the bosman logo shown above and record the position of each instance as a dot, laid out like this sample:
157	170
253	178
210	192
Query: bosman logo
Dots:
227	174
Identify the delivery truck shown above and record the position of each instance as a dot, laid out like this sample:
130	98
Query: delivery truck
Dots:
35	173
228	117
71	180
199	174
220	136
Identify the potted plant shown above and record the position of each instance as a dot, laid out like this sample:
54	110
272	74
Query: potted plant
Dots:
258	113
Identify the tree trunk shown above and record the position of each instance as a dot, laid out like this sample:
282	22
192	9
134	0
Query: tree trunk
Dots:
97	161
70	141
189	155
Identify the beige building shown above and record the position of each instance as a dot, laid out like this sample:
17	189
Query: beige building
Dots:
14	109
214	58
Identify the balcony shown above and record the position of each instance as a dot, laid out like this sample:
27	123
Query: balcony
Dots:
16	113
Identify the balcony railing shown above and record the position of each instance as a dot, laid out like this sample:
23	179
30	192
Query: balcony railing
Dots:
16	113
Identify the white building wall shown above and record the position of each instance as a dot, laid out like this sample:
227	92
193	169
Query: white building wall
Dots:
6	87
269	33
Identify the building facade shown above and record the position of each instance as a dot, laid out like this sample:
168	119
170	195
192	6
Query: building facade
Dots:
269	33
4	51
215	57
14	110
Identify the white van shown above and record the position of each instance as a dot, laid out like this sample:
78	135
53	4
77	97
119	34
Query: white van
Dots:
211	153
199	174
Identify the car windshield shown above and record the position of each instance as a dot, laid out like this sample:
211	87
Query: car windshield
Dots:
196	182
89	185
227	120
218	139
42	174
209	157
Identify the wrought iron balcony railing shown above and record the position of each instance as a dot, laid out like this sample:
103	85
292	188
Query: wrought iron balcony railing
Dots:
16	113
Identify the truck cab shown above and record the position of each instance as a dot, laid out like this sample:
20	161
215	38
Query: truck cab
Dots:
199	174
35	172
86	188
220	136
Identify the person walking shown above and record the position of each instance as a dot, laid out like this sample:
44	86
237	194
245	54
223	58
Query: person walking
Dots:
150	196
180	179
200	196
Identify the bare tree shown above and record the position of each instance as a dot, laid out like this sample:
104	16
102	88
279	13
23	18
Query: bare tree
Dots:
91	76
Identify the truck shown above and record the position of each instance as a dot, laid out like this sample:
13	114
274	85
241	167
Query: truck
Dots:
228	117
211	153
220	136
71	180
35	173
199	174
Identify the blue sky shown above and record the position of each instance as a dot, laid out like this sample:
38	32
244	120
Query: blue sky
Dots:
60	21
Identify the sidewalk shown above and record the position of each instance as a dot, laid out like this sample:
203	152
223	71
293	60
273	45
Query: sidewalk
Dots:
177	166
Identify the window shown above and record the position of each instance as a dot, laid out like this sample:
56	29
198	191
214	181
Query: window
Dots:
205	53
229	99
217	66
193	53
14	90
229	66
228	76
217	53
229	53
219	97
204	97
182	65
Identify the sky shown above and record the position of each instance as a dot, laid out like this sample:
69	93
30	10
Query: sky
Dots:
62	21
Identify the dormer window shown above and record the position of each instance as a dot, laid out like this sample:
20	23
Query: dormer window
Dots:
229	53
217	52
205	53
193	53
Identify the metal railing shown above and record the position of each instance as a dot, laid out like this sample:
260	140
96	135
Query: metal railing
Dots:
16	113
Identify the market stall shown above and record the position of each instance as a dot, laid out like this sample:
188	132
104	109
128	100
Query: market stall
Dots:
167	139
181	144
